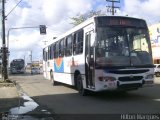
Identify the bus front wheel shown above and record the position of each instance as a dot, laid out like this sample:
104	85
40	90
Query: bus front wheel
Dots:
157	74
80	88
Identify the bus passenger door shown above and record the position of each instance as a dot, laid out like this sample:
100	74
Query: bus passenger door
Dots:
89	61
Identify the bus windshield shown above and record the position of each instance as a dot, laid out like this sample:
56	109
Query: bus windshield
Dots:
123	46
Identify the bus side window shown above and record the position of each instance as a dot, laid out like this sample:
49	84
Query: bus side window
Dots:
74	43
62	43
78	42
56	50
46	56
68	50
61	48
49	53
52	51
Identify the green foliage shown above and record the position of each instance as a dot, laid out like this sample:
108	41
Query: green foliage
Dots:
77	20
82	17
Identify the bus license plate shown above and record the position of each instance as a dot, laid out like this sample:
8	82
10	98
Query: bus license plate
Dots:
112	85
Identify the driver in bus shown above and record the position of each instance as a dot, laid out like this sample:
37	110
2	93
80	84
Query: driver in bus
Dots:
115	49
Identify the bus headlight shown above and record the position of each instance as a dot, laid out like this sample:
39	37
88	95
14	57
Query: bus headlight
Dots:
151	76
107	78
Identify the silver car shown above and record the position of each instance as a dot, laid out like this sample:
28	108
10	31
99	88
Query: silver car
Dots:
35	70
157	70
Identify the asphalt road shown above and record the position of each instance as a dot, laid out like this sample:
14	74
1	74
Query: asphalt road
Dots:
63	99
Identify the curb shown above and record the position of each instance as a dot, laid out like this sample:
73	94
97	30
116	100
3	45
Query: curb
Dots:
8	83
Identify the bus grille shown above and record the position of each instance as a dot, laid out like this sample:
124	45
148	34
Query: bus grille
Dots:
129	86
128	71
130	78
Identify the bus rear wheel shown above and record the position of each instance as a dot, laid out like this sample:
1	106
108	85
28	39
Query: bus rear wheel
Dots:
80	88
51	77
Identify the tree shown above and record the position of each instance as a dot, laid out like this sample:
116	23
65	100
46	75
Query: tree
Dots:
82	17
78	19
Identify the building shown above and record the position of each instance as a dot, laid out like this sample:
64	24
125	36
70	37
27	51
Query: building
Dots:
34	64
155	40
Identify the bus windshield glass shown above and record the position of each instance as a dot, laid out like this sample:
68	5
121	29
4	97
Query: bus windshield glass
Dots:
123	46
17	63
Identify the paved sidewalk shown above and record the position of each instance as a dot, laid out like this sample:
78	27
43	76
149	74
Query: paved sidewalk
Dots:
9	97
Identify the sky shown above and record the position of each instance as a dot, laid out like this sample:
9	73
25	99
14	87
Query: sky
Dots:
56	14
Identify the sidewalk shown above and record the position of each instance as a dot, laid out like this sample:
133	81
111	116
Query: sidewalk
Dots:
9	97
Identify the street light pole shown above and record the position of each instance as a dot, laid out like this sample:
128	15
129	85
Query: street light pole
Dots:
14	29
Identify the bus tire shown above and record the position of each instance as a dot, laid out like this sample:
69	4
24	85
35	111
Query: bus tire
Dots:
80	88
51	77
157	74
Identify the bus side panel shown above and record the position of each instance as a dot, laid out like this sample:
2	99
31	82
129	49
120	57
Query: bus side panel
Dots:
64	72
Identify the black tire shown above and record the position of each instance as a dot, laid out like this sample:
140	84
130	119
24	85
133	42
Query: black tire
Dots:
51	77
80	88
158	74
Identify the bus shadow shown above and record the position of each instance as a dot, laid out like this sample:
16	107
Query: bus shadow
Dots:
133	95
62	98
104	102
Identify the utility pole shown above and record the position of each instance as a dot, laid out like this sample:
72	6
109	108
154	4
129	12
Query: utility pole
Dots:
31	58
113	7
45	42
4	49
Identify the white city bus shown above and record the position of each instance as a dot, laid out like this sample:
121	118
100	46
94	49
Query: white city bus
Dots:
102	53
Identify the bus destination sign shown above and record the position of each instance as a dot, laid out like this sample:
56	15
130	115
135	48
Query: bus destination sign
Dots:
119	21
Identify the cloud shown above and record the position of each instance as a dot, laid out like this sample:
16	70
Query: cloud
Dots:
56	14
146	9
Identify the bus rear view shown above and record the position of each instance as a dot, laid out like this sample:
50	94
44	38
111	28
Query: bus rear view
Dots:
123	56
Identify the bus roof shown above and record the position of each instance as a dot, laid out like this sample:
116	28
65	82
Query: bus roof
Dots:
17	60
85	23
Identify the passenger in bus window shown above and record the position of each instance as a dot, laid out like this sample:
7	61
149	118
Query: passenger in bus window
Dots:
112	46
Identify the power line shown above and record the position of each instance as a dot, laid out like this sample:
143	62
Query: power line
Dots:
13	8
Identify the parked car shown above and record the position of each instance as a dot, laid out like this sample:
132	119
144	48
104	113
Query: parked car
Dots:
157	70
35	70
